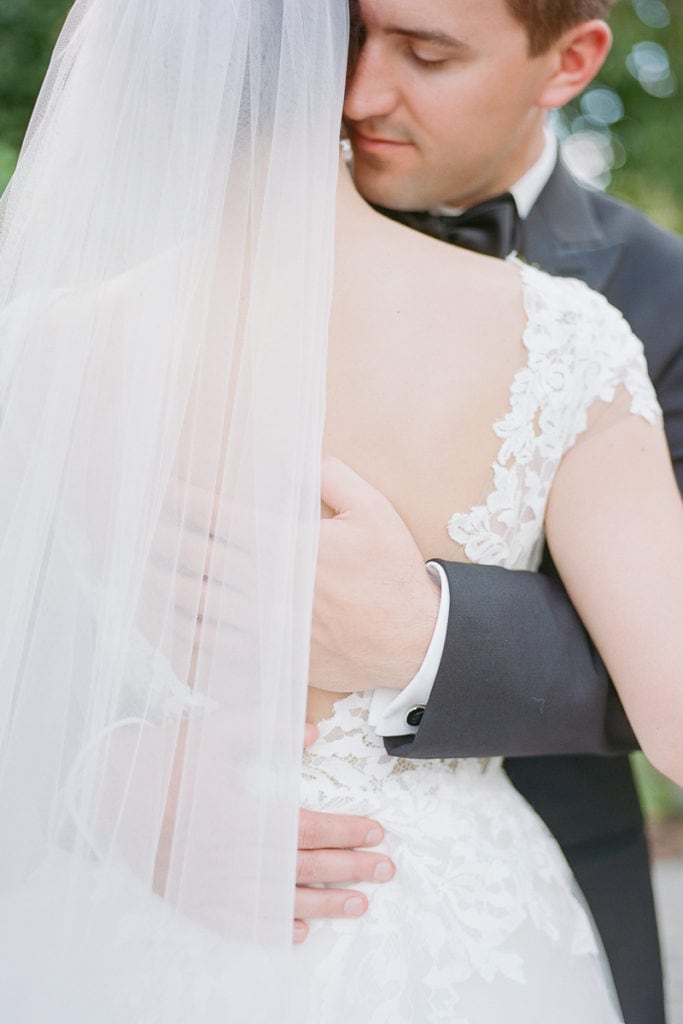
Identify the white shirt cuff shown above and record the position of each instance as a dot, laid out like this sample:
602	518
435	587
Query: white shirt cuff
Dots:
388	709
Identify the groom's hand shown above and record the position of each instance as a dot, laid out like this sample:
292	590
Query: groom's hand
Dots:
375	603
328	855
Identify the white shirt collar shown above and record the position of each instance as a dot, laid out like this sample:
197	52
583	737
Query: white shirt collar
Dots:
526	191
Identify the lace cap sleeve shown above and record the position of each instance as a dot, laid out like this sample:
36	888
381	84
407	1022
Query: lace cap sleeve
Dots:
585	369
596	349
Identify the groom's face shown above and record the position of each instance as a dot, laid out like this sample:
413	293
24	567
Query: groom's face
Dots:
444	105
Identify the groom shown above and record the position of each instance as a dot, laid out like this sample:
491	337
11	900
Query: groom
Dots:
445	111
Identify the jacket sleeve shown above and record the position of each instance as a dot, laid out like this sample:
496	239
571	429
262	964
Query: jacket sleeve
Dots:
519	675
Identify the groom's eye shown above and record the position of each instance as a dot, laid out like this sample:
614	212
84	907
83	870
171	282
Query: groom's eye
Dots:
427	58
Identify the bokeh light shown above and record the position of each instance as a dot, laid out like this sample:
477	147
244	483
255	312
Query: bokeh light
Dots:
650	65
653	13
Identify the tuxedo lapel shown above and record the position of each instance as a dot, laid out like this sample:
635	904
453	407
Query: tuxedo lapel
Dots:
562	234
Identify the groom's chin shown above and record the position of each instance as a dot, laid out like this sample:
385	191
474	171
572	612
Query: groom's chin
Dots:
382	185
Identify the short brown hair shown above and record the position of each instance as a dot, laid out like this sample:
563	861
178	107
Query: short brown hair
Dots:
546	20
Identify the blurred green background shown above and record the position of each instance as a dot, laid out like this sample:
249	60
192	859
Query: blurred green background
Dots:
624	134
28	29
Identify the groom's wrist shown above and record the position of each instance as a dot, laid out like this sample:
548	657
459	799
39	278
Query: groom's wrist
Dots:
395	714
423	625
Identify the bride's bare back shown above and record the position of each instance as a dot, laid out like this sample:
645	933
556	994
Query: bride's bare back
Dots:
425	340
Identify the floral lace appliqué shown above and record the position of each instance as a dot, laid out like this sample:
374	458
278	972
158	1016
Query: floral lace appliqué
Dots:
579	351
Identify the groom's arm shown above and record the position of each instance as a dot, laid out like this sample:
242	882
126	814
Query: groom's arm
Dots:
518	676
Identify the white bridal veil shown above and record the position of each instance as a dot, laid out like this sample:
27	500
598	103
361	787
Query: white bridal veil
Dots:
165	280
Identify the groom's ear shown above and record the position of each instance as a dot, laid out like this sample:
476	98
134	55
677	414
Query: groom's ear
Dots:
576	58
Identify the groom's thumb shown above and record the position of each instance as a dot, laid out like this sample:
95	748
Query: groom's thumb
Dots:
343	489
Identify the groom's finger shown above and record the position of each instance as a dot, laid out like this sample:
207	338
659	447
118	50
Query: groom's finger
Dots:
326	903
321	831
315	867
343	489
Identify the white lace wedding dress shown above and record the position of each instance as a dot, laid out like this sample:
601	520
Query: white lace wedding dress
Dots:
482	923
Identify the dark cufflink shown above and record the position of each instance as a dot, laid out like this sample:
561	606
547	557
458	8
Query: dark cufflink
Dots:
414	716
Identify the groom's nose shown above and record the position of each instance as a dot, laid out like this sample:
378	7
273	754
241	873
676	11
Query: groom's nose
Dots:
372	89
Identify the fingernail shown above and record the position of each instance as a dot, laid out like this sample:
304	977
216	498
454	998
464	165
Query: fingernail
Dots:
373	837
299	931
354	907
383	872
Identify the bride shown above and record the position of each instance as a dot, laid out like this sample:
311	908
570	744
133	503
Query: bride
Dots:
177	248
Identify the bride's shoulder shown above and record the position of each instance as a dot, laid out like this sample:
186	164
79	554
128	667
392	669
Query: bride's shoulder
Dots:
570	325
568	294
572	313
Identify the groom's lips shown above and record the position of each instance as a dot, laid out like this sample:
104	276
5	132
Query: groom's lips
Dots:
375	143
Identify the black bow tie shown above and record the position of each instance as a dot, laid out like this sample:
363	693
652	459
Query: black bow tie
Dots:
491	227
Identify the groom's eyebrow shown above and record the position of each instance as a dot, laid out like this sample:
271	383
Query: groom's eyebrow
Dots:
429	36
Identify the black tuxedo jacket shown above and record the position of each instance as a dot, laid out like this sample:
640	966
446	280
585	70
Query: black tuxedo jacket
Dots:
519	675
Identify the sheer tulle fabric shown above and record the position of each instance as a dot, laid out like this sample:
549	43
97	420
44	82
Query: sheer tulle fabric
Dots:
165	280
